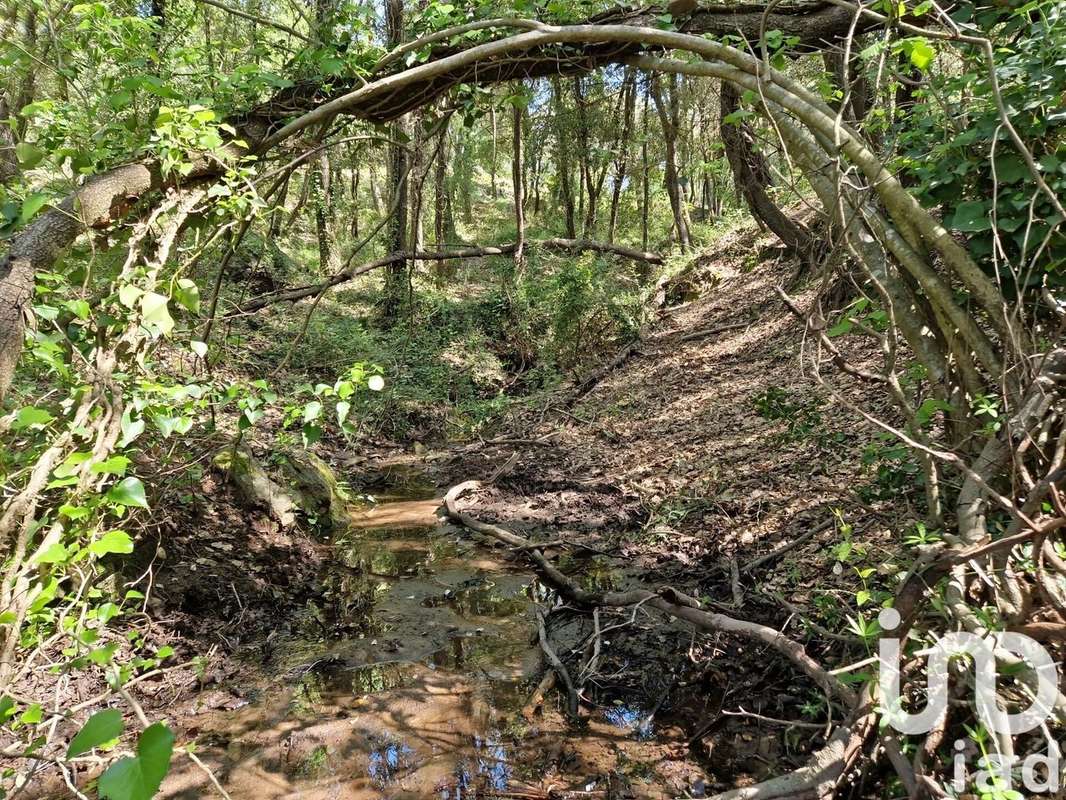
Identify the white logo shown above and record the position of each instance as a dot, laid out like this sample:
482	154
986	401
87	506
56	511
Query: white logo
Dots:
983	652
1039	773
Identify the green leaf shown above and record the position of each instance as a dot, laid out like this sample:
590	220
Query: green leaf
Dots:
116	465
102	656
131	428
343	407
312	411
138	778
155	313
56	554
128	492
31	417
112	542
29	155
107	612
71	463
921	53
79	308
970	216
188	294
128	294
103	726
842	327
120	99
31	205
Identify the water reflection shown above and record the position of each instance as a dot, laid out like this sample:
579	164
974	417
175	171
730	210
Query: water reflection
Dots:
488	768
387	759
482	597
633	718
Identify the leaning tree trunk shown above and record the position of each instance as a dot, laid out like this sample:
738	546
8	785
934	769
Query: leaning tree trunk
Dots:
752	177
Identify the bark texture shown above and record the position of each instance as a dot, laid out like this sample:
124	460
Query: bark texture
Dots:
752	176
100	201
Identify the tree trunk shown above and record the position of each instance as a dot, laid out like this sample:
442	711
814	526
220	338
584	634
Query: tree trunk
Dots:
419	171
355	200
9	165
396	276
645	166
584	153
494	154
101	200
324	215
621	162
752	177
854	86
519	194
668	119
375	190
562	155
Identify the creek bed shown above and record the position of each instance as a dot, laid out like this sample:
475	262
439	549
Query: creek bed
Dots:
409	678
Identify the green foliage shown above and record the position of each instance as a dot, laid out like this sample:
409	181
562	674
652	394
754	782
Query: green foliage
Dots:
138	777
568	309
954	147
802	414
895	469
101	728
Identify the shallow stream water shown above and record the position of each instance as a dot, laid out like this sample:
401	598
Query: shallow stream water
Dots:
410	680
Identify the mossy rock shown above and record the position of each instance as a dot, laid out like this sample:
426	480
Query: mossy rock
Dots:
318	492
255	486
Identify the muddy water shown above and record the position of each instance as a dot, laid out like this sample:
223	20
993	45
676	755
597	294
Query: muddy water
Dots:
410	680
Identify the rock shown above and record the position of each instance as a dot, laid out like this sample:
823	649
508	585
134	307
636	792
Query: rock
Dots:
316	489
255	486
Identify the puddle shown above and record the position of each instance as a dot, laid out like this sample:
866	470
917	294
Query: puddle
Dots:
409	679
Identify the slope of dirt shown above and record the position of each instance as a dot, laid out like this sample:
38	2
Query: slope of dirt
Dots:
673	440
699	457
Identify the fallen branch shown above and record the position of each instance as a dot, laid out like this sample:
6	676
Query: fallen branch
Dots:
557	665
590	381
826	767
345	275
665	599
773	555
705	332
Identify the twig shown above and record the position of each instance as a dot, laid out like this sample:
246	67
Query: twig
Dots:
773	555
560	668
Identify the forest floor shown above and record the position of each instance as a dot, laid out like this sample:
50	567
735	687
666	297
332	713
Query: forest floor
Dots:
398	659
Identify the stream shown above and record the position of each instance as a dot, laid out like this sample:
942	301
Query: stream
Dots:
410	680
